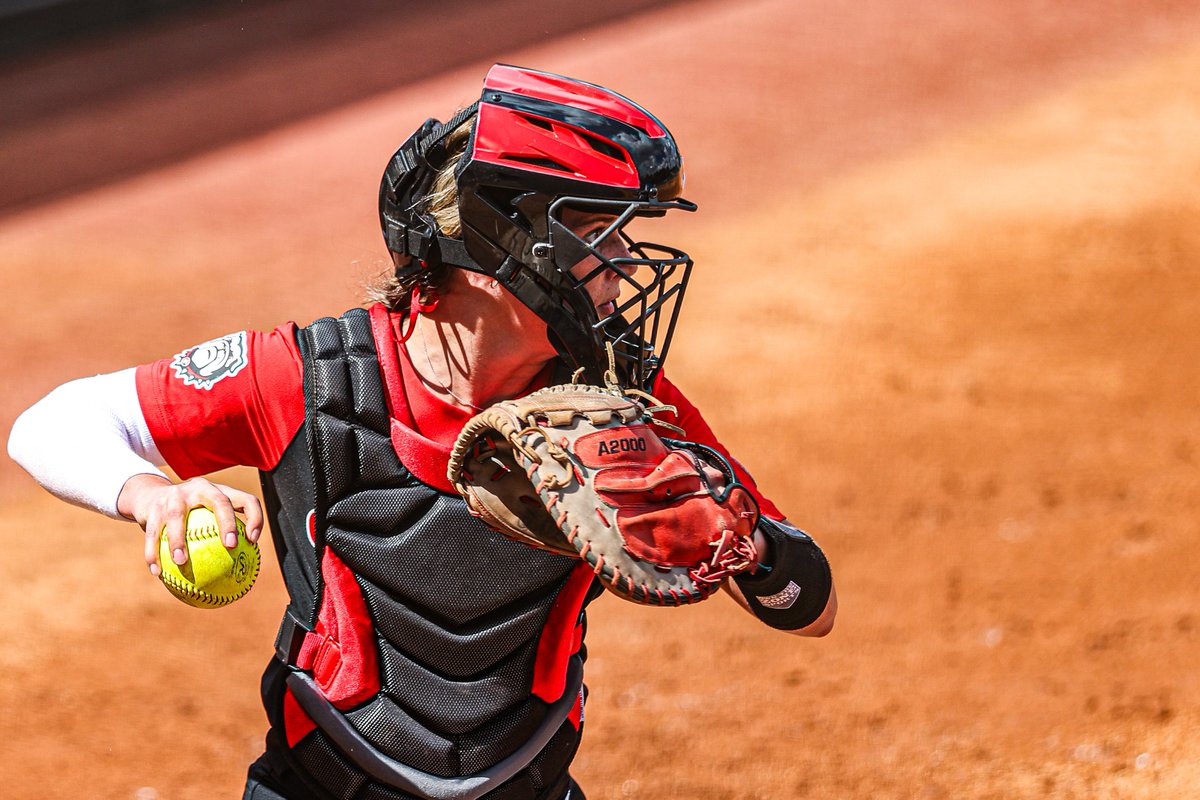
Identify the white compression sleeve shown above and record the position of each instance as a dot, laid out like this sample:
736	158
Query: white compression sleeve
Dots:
85	439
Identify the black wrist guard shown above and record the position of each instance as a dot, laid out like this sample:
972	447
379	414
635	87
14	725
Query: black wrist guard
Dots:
791	591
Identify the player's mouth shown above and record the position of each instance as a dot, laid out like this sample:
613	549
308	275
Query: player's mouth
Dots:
606	309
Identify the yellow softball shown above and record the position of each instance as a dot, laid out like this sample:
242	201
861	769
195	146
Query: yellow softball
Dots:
214	575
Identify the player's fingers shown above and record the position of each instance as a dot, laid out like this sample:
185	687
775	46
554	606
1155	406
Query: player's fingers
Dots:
218	499
251	509
174	514
153	531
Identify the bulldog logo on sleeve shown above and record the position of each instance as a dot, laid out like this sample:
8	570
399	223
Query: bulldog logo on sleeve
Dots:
205	364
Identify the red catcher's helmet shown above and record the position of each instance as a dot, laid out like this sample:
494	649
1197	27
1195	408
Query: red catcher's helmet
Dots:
540	144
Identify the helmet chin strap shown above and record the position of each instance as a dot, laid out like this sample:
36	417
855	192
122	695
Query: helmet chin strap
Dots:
415	307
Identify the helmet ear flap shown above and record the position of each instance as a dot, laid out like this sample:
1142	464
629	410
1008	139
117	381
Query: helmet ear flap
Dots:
405	181
407	229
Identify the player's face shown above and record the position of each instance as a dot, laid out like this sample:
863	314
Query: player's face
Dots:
605	287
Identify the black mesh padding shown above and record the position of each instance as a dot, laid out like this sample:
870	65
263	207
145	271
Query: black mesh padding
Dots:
472	571
458	610
358	339
376	510
365	459
332	381
369	404
370	407
288	495
455	707
327	337
375	457
483	747
335	452
329	767
456	654
398	735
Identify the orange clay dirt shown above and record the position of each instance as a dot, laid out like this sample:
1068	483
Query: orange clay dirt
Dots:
946	308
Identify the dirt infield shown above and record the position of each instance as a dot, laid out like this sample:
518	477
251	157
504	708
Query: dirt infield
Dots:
952	254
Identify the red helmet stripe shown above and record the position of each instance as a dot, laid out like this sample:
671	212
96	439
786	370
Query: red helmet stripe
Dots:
507	138
558	89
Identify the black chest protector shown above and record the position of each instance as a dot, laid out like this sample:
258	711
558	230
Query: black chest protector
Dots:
423	655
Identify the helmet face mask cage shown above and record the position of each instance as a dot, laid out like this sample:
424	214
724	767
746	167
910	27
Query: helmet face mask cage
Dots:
641	283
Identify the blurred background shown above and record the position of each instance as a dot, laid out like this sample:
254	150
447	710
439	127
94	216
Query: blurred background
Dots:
945	309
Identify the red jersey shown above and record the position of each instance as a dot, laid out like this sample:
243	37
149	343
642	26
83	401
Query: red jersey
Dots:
239	401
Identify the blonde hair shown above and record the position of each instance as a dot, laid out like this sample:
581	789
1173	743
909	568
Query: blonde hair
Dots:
441	203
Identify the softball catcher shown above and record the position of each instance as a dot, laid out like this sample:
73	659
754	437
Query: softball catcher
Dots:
454	473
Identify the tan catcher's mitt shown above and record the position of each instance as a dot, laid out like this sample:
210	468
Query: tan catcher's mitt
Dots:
578	470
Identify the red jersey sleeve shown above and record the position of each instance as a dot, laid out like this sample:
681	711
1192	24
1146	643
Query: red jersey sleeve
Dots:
697	430
233	401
